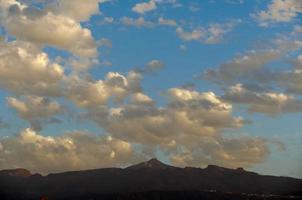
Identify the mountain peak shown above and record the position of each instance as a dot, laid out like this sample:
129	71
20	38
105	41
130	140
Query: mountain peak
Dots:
152	163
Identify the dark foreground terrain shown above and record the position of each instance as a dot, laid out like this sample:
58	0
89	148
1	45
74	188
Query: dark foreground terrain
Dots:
150	180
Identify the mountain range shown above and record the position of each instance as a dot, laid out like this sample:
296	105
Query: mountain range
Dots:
148	180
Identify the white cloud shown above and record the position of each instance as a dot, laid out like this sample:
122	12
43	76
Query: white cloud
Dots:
78	10
107	20
70	151
90	94
279	11
44	27
139	22
256	66
33	107
241	151
140	98
196	34
153	66
142	8
38	111
188	130
24	69
166	22
212	34
269	103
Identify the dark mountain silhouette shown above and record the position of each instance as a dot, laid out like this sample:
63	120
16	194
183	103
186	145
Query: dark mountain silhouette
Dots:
148	180
16	172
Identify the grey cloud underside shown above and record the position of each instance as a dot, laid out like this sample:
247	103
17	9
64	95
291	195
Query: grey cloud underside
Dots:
251	78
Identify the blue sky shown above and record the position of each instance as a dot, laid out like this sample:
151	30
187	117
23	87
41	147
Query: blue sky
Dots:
191	82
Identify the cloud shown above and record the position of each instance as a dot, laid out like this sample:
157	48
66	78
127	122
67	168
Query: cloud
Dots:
212	34
139	22
105	42
36	110
298	62
81	64
196	34
77	9
142	22
190	124
189	112
153	66
141	99
3	124
70	151
290	80
46	27
243	66
24	69
255	66
235	1
182	47
90	94
254	80
107	20
242	151
166	22
142	8
32	107
193	7
279	11
269	103
188	129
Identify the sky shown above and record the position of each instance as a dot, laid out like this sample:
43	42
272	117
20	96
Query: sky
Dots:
108	83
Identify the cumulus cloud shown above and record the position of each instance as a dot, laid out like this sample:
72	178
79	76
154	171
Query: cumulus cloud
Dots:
88	94
255	66
77	9
270	103
279	11
46	27
242	151
243	66
33	107
255	81
36	110
188	130
70	151
144	7
189	112
24	69
141	99
290	80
